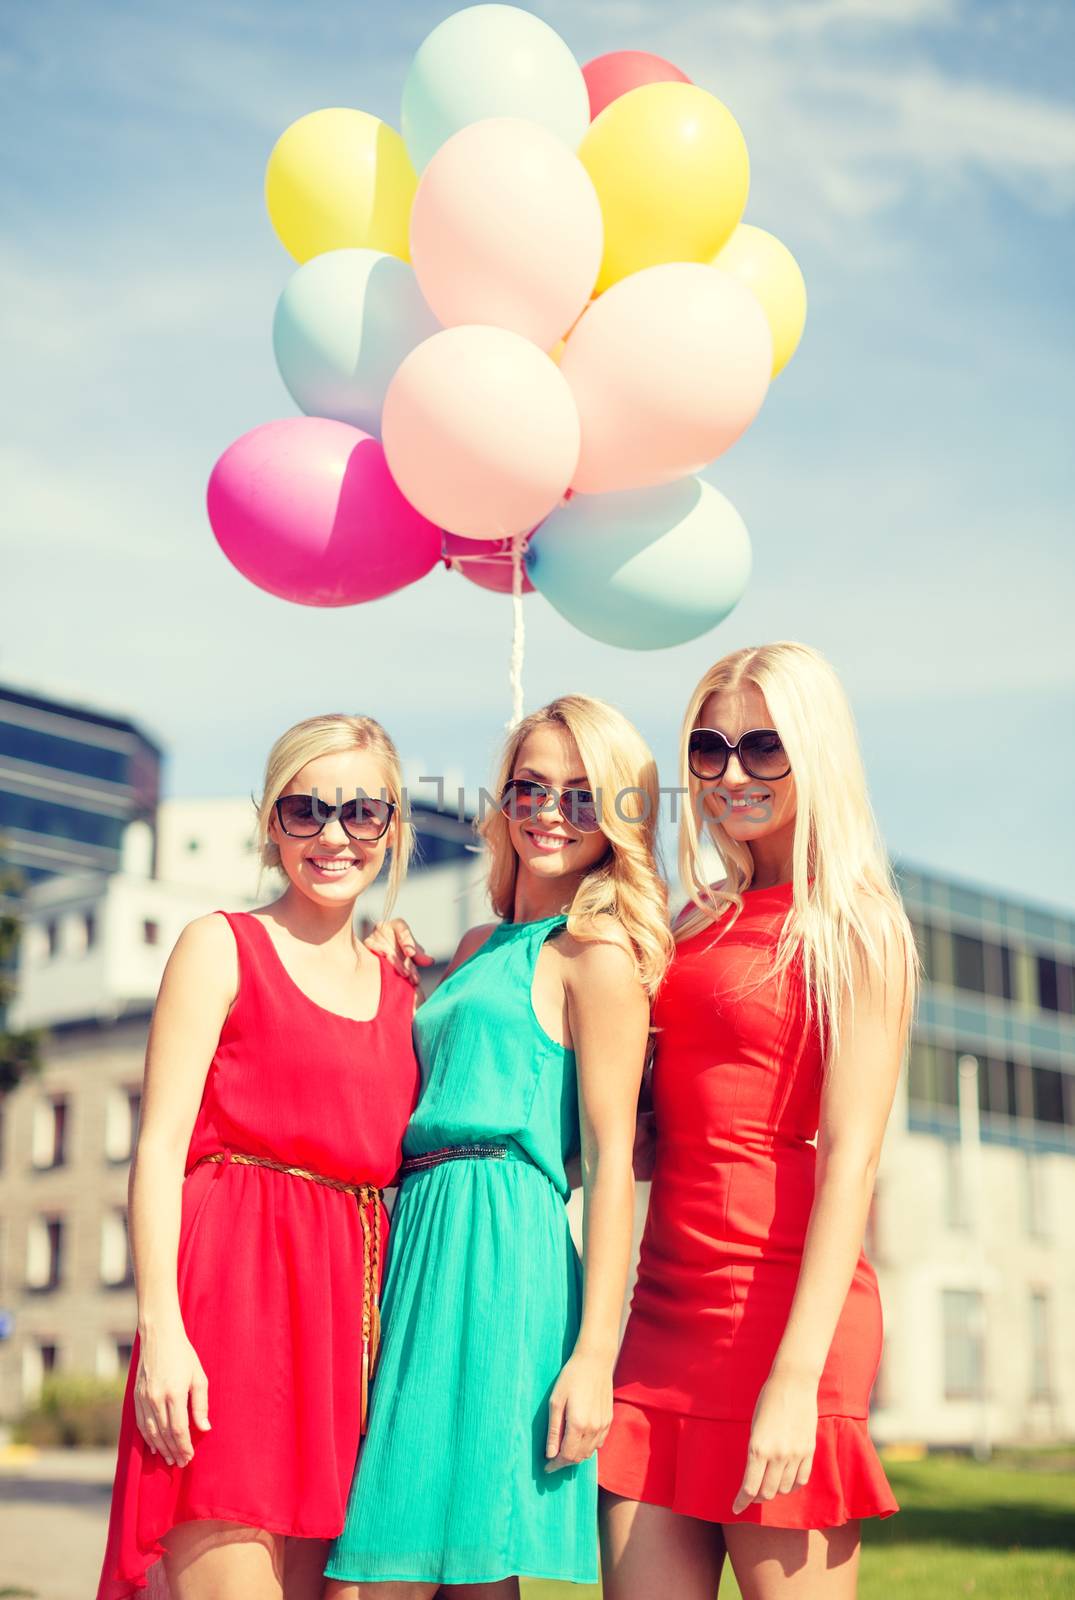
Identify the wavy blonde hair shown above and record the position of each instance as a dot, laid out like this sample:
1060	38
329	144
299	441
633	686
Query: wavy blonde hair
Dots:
627	882
849	918
333	734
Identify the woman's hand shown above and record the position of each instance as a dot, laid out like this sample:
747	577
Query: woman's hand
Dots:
395	940
170	1377
783	1437
580	1411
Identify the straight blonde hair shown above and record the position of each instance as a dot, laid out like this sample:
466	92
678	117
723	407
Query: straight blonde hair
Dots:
627	882
846	917
334	734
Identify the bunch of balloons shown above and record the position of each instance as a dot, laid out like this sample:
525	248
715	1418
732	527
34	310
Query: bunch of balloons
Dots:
518	329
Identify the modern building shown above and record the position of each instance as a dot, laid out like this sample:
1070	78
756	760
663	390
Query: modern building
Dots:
72	781
973	1232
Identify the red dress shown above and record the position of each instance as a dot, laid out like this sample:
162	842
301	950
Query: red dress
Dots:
270	1267
736	1088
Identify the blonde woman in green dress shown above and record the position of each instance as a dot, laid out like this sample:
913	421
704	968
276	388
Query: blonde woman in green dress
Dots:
494	1382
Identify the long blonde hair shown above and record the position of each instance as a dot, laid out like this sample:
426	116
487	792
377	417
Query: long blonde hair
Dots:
333	734
627	882
846	911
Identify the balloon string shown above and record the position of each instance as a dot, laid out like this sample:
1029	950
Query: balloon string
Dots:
518	634
491	557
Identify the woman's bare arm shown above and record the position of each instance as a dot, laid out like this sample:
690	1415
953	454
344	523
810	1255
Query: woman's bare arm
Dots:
608	1010
860	1081
197	989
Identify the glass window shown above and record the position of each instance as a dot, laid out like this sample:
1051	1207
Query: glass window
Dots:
44	1252
1065	988
91	929
996	1088
942	960
947	1077
1048	1094
1048	984
66	755
39	1358
920	1072
150	932
998	971
968	955
933	1075
1041	1387
48	1138
964	1344
59	821
116	1271
122	1109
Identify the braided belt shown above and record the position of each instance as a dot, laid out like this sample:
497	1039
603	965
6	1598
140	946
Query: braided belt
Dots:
453	1152
369	1199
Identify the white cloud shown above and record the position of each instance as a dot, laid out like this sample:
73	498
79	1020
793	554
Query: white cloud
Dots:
937	123
773	19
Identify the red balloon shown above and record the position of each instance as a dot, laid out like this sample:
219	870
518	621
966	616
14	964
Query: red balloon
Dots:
609	77
486	562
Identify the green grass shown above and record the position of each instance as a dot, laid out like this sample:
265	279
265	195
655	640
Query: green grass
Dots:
1005	1531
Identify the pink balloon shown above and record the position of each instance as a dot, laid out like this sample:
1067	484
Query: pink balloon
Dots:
506	229
483	562
668	367
306	509
480	431
607	77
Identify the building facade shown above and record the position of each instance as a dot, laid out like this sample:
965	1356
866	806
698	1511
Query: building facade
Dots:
73	780
973	1231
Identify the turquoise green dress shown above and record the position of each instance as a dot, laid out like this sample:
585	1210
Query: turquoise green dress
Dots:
481	1303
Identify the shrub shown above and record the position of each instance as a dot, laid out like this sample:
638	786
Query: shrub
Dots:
74	1411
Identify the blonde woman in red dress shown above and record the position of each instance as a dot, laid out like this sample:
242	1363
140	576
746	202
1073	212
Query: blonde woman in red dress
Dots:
280	1075
742	1388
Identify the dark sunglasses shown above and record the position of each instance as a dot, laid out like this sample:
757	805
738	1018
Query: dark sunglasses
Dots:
302	816
524	799
760	753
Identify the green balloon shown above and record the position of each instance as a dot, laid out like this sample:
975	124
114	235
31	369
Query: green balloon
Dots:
644	569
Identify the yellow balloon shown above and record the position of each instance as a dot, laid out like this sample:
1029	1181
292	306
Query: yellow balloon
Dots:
670	166
768	267
340	179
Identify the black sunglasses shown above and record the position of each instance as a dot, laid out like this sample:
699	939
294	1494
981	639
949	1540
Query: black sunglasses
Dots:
302	816
524	799
760	752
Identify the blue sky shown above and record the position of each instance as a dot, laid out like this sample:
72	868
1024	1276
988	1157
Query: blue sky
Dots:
908	485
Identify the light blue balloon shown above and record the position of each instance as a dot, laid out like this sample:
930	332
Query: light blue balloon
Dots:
491	61
644	569
343	324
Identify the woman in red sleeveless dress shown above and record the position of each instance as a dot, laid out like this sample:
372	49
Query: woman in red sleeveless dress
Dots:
743	1383
280	1076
